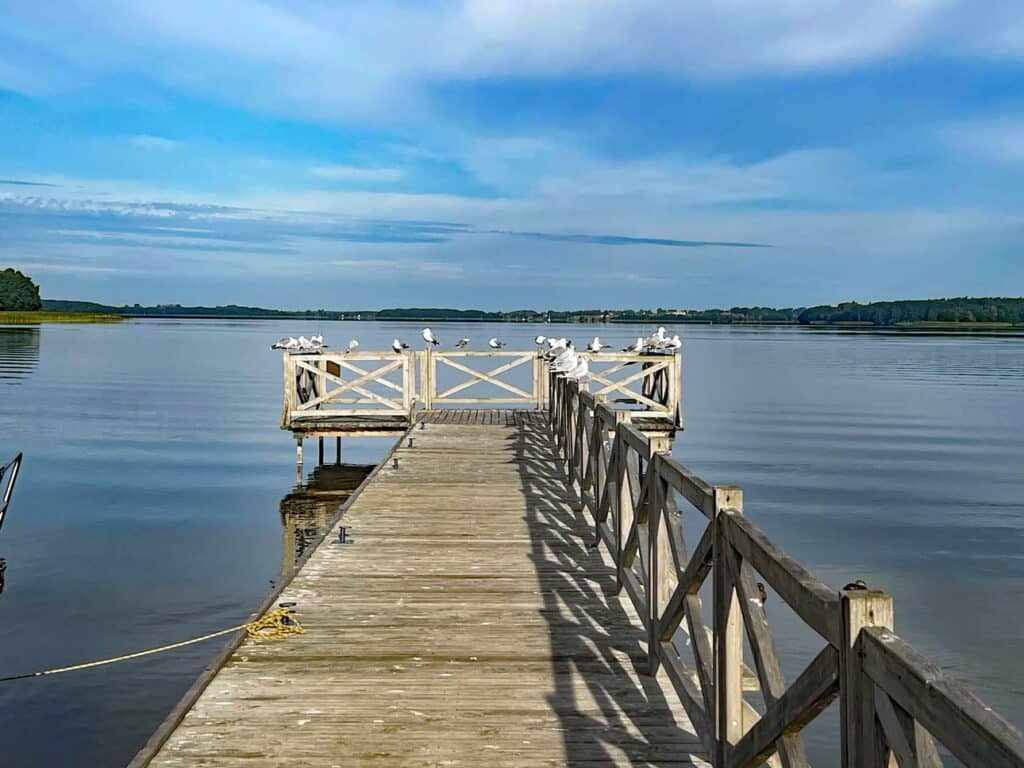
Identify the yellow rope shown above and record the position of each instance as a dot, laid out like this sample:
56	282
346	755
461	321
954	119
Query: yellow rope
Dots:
278	623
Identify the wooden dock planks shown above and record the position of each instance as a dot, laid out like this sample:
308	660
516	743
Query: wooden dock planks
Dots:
467	625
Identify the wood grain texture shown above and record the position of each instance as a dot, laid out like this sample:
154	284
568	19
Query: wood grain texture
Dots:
468	625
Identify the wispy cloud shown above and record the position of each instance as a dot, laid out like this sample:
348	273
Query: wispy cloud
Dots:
20	183
355	174
159	143
997	140
624	240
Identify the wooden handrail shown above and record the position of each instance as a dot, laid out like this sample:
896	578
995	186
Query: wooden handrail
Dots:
893	701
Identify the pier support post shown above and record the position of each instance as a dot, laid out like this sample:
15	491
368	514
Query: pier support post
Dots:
298	453
320	451
861	740
337	450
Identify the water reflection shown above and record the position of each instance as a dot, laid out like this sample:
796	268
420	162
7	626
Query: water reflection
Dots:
308	508
19	353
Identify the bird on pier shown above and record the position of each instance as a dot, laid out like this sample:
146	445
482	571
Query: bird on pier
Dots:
399	346
353	345
566	360
305	344
637	346
596	345
495	343
674	343
288	342
462	343
428	336
317	342
539	341
581	369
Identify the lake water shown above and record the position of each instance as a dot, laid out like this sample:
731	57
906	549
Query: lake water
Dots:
150	503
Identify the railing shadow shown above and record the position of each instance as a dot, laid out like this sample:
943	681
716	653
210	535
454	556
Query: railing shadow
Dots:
610	709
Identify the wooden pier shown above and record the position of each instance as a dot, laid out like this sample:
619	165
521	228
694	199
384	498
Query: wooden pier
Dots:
518	591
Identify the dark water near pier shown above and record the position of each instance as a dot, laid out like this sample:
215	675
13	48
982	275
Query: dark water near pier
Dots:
149	507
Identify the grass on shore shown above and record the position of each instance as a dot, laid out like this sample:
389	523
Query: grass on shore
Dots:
33	318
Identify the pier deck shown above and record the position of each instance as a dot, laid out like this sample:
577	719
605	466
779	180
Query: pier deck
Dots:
469	624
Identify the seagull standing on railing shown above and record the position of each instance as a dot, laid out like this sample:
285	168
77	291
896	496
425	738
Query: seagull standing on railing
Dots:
428	336
288	342
566	361
398	346
495	343
637	346
580	371
596	345
317	342
353	345
539	341
462	343
674	343
305	344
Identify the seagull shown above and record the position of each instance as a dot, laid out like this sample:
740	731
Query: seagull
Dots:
398	346
674	343
288	342
352	346
462	343
317	342
596	345
304	343
566	361
539	341
637	346
580	371
428	336
495	344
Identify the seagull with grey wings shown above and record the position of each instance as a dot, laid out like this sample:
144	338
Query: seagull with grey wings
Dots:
288	342
462	343
353	345
596	345
428	336
399	346
495	343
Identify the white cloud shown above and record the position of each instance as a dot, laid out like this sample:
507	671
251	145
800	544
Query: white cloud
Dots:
998	140
145	141
345	61
356	174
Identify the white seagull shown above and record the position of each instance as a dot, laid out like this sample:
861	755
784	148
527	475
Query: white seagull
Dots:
495	344
317	342
462	343
353	345
636	346
428	336
398	346
539	341
596	345
674	343
288	342
580	371
304	343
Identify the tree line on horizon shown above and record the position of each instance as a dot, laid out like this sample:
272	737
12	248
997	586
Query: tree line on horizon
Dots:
19	293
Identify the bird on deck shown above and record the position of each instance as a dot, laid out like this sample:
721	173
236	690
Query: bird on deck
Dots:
462	343
566	361
556	347
317	342
674	343
398	346
539	341
596	345
353	345
495	344
428	336
305	344
288	342
657	339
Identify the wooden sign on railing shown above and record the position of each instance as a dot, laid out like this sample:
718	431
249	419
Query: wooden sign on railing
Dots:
892	700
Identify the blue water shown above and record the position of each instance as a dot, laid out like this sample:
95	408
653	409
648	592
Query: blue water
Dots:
149	506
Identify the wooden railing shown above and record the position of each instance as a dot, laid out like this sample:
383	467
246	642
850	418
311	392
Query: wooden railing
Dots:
367	384
339	384
892	700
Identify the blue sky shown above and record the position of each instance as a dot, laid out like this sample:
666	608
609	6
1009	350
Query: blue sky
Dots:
513	153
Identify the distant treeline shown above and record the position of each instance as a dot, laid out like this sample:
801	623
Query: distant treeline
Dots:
894	313
963	311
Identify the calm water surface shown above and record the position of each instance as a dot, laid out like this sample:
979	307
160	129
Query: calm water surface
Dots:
151	500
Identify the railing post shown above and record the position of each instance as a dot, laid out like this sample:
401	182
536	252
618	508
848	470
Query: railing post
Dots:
659	553
624	507
540	380
859	729
289	388
426	358
728	635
